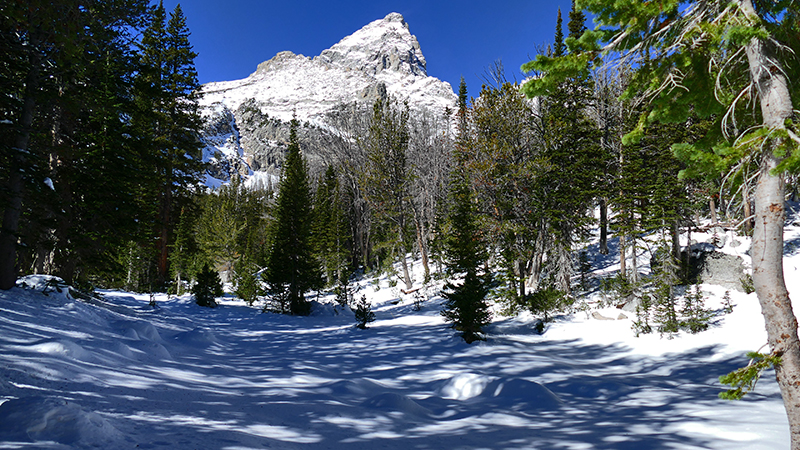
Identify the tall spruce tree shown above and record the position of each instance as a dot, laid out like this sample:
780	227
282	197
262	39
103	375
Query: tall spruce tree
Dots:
558	41
574	163
292	270
167	94
465	252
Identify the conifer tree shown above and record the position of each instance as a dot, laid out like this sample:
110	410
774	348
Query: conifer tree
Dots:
292	269
207	288
167	93
558	41
464	245
66	68
504	162
574	165
465	252
330	230
387	176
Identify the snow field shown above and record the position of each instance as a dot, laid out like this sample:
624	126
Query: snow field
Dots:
117	373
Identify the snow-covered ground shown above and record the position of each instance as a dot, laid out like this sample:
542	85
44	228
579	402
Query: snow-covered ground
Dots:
118	374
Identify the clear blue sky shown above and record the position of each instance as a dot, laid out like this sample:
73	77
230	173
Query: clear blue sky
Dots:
457	37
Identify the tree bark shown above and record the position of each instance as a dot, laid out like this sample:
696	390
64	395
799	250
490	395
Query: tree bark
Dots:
748	211
767	249
14	185
604	226
712	206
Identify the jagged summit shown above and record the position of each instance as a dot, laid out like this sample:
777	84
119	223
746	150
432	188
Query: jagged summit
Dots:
384	51
385	44
382	58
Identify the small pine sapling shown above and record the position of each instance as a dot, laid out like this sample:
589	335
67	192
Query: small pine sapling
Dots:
665	276
247	281
419	299
207	288
747	284
546	301
696	316
642	323
363	313
726	301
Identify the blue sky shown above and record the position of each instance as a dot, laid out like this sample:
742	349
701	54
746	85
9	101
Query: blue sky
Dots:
457	37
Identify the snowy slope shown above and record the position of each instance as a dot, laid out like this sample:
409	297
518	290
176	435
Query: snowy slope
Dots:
118	374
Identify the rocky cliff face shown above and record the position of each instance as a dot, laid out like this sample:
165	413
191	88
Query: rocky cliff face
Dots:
247	120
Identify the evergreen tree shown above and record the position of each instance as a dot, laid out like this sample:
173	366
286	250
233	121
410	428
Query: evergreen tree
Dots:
330	230
207	288
574	164
695	314
185	253
504	162
292	269
465	250
577	21
363	313
66	71
558	41
387	177
167	95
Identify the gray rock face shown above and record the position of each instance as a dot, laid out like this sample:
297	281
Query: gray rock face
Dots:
382	45
721	269
247	121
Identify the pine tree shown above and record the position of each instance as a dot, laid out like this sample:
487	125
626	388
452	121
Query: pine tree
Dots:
387	176
207	288
558	41
330	230
577	21
167	95
696	316
574	164
363	313
292	269
504	163
664	306
465	253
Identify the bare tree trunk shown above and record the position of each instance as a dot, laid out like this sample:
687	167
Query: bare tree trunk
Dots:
767	249
748	223
712	206
14	185
423	249
604	226
406	276
622	250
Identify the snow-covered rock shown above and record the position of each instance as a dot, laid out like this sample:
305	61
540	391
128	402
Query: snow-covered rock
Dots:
247	120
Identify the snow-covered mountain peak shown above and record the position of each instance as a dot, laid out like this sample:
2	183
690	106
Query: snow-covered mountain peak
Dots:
247	119
385	44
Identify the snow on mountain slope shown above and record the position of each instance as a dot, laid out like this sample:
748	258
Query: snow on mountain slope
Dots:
381	58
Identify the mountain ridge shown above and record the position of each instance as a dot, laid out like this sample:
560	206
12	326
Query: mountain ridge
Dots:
381	59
